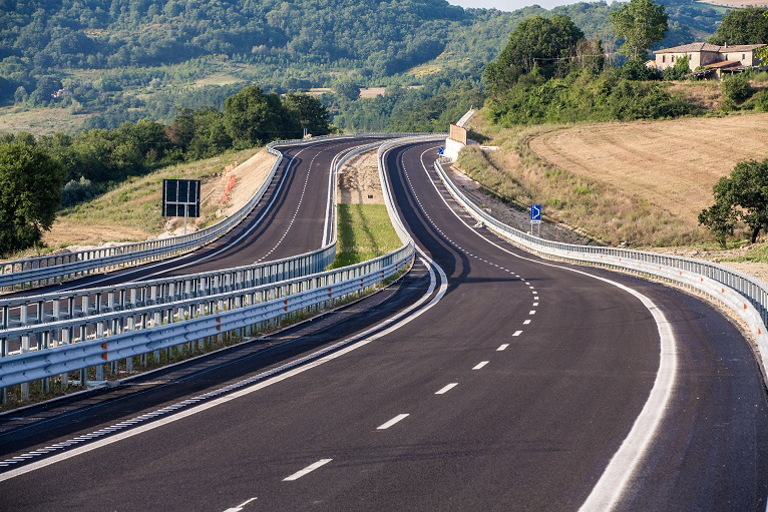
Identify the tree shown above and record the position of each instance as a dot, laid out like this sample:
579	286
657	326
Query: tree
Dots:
743	26
347	89
308	112
742	196
640	23
536	42
30	193
253	117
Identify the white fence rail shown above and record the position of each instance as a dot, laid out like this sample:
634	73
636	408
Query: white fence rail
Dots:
45	270
747	296
30	310
78	339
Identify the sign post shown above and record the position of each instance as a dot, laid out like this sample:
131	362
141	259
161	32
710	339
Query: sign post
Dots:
536	219
181	198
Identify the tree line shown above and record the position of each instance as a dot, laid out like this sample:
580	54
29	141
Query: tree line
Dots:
37	175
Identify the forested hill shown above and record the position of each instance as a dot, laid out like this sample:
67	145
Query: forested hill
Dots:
118	60
383	37
109	33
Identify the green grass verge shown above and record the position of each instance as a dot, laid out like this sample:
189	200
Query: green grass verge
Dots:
365	232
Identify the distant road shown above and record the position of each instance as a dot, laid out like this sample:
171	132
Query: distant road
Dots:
289	220
510	384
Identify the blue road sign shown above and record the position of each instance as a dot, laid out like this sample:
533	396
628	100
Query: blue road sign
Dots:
440	150
536	213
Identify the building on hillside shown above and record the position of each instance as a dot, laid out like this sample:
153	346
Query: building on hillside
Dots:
714	59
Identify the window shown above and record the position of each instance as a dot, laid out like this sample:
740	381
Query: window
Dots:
743	56
663	58
673	58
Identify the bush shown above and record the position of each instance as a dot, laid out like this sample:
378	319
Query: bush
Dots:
76	191
736	89
584	97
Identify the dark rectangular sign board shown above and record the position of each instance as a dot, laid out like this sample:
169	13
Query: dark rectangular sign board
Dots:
181	195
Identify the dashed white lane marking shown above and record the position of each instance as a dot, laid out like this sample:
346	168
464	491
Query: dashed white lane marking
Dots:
535	304
532	312
396	419
502	347
527	322
447	388
612	484
480	365
306	470
517	333
239	507
295	213
535	292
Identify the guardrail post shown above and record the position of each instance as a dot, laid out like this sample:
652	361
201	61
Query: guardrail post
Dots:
24	350
84	371
3	353
129	360
46	339
66	336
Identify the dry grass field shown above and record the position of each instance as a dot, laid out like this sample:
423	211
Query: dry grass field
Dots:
40	121
670	164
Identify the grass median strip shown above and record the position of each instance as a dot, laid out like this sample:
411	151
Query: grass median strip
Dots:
365	232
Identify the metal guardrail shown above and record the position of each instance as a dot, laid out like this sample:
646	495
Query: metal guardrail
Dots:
747	296
51	348
31	310
46	270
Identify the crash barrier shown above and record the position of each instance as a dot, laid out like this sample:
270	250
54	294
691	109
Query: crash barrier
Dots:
746	295
46	270
109	335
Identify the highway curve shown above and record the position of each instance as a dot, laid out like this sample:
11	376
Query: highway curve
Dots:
510	385
289	220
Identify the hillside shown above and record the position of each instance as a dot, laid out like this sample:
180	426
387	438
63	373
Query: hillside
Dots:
131	212
144	58
638	184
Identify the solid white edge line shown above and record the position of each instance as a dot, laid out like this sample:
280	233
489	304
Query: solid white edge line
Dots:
611	486
307	470
353	343
447	388
393	421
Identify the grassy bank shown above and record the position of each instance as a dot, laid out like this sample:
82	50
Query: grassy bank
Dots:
365	232
131	212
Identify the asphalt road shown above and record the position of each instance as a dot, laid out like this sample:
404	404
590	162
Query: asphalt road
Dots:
513	389
289	220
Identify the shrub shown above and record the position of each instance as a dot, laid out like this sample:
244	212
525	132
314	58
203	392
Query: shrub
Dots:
76	191
736	89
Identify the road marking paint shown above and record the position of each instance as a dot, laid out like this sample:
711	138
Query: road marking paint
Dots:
447	388
532	312
480	365
535	293
396	419
529	284
239	507
609	490
502	347
306	470
527	322
517	333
